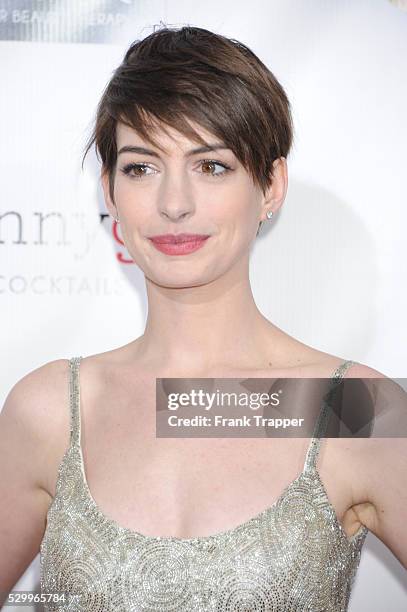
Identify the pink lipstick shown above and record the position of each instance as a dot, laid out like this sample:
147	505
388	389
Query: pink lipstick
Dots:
178	244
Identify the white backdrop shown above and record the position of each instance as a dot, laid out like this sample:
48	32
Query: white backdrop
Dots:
336	254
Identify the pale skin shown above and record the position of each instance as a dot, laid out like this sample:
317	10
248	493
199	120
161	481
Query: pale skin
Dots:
202	322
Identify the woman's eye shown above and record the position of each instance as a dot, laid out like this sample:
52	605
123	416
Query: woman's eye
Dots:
138	171
211	163
128	169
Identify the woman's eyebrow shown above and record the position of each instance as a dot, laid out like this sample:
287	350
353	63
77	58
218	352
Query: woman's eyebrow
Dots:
133	149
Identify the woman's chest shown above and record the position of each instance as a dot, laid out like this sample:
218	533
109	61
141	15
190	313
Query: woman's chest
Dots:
192	486
189	486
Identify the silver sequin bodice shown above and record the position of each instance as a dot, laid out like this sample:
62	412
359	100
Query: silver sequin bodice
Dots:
292	557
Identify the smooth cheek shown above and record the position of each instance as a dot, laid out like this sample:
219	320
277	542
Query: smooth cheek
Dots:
133	210
127	198
237	216
131	224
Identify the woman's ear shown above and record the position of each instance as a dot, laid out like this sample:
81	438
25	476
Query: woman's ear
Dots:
276	192
104	179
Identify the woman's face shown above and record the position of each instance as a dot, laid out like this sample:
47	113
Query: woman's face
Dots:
182	191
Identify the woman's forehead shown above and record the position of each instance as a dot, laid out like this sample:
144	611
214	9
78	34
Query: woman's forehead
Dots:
167	138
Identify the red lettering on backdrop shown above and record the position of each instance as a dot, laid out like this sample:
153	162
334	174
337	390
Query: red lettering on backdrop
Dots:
120	257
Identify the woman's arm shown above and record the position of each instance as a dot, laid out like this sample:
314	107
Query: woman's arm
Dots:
29	431
388	493
383	466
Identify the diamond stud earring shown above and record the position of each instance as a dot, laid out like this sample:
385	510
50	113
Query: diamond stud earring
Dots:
269	214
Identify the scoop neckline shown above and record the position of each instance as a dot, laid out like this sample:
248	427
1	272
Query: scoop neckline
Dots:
350	541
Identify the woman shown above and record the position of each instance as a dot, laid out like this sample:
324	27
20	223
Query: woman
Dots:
193	132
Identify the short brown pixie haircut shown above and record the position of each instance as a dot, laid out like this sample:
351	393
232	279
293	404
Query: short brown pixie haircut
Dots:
177	75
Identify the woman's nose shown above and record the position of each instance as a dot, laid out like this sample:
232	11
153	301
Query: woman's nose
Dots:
175	198
175	215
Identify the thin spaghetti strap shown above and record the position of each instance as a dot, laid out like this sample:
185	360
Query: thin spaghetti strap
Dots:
323	417
74	400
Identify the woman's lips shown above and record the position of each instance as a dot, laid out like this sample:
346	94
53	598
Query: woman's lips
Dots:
178	245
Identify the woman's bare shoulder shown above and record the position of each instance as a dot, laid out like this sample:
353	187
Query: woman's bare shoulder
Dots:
36	414
32	397
319	363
